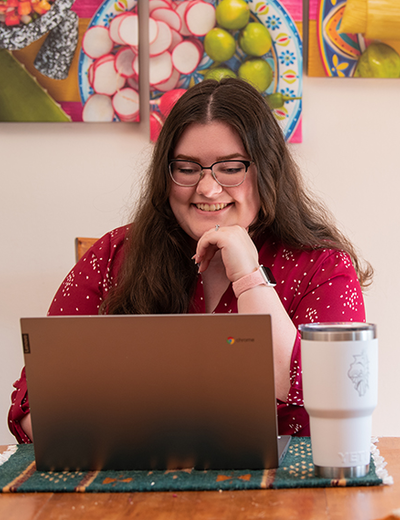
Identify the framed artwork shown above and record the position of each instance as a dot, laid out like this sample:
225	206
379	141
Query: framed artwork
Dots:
69	63
354	38
259	41
77	60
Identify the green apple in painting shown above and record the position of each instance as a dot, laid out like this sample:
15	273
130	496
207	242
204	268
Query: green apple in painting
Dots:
255	39
219	44
232	14
219	73
378	61
257	72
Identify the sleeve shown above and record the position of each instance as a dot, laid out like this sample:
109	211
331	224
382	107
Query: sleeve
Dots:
331	293
81	293
19	408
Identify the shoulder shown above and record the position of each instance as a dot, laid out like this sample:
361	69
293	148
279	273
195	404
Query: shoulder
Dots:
110	243
114	238
319	258
299	263
106	255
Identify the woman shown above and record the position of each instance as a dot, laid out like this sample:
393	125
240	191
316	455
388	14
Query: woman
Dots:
223	196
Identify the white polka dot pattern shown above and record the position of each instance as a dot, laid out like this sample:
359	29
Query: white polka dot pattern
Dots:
316	285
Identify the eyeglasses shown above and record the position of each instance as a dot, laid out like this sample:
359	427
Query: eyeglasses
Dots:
226	173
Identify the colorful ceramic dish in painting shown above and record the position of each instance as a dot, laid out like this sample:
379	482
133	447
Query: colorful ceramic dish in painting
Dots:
288	52
339	51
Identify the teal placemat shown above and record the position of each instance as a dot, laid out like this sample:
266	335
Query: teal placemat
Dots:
18	474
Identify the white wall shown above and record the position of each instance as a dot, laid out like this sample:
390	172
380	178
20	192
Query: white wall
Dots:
59	181
350	154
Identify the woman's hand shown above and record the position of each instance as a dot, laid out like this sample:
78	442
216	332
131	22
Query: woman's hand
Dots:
238	252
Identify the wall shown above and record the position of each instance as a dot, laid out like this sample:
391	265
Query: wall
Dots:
350	155
59	181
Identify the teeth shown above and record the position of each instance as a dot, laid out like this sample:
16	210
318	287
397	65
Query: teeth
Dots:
211	207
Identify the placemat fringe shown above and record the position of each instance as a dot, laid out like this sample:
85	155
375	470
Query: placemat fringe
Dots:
380	463
7	454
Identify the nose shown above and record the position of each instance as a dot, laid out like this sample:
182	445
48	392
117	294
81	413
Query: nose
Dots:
207	185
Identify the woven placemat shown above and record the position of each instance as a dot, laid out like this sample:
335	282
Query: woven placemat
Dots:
18	474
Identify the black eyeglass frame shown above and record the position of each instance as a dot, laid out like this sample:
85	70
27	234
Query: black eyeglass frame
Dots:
246	165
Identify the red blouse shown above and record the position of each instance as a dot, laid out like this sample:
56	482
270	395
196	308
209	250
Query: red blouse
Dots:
313	286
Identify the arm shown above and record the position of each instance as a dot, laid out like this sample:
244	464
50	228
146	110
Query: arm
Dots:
26	425
240	257
263	299
19	410
312	286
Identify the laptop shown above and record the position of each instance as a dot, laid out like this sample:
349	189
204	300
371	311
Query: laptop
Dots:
152	392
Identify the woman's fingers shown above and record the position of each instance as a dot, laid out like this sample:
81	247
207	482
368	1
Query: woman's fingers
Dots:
238	252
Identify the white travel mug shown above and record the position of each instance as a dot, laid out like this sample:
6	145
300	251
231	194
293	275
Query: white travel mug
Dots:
340	390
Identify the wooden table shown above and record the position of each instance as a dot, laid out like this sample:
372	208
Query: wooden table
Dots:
363	503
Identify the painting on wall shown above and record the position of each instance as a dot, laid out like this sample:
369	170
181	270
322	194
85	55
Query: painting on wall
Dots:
354	38
259	41
66	60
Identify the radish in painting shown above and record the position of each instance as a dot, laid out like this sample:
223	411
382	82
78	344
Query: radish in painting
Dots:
156	123
160	68
114	29
128	30
155	4
200	18
90	74
163	40
126	104
199	45
96	42
171	83
169	16
124	62
98	109
168	100
186	56
181	10
133	83
106	79
176	38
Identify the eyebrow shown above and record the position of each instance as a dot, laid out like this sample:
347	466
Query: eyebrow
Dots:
222	158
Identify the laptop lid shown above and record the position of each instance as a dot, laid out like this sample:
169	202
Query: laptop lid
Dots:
152	392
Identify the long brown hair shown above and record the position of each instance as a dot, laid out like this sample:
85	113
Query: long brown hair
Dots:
157	274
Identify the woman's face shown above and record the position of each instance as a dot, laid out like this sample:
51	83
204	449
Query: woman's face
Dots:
199	208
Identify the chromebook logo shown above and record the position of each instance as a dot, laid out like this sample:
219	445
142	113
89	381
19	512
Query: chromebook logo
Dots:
230	340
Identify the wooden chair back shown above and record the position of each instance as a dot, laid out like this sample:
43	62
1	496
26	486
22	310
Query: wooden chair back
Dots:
82	244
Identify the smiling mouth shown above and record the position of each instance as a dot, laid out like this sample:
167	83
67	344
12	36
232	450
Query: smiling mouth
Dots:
211	207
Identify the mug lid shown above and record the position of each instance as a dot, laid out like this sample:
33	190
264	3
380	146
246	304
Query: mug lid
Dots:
339	331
